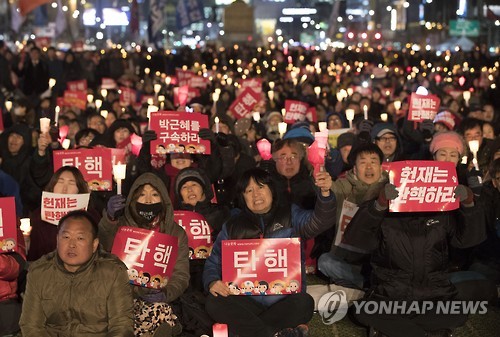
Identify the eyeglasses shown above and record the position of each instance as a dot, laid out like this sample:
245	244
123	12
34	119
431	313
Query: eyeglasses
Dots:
284	159
386	139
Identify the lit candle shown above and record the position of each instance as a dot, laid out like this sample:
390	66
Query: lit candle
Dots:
119	172
270	94
25	226
349	113
90	98
168	80
466	95
98	104
151	108
157	88
52	82
104	93
350	91
56	117
282	126
383	117
283	112
216	120
256	116
271	85
44	124
220	330
66	143
397	105
322	126
104	113
8	105
150	101
365	111
317	90
474	147
147	71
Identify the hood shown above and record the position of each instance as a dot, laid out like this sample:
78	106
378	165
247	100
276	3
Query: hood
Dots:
131	216
21	129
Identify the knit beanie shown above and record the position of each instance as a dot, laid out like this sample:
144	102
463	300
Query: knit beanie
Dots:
447	139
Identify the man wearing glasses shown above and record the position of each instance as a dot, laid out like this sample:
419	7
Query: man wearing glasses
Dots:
384	135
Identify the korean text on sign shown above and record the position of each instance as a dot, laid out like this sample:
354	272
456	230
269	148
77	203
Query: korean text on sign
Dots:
56	205
251	265
146	252
423	186
423	107
198	232
178	132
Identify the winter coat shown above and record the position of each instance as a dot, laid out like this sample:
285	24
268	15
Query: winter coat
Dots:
409	252
179	280
93	301
282	221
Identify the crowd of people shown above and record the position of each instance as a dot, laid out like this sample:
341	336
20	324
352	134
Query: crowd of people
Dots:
76	287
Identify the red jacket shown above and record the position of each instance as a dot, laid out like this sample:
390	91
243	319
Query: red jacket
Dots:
9	271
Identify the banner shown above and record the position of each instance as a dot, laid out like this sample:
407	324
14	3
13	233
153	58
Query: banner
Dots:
149	256
423	107
184	94
95	165
198	232
262	266
424	186
188	12
184	77
295	111
80	85
77	99
8	225
178	132
244	103
57	205
108	83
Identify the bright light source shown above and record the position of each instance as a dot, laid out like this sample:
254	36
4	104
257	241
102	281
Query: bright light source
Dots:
364	36
350	35
378	36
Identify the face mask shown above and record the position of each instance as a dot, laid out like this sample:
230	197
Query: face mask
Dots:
149	211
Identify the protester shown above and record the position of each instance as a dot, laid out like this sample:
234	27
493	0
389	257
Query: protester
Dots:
78	287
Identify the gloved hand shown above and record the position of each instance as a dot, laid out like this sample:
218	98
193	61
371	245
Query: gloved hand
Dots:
427	128
207	134
115	206
475	181
365	125
465	195
148	136
267	165
389	192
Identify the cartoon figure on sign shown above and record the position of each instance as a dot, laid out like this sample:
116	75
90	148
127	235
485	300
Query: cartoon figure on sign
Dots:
191	253
156	282
233	288
8	245
262	288
247	288
293	287
277	287
133	274
144	278
201	252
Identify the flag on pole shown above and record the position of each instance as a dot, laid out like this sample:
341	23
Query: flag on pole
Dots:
156	19
26	6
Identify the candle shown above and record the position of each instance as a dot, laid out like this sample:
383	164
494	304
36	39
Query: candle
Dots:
8	105
397	105
147	71
256	116
56	117
90	98
466	95
474	147
283	112
25	226
157	88
119	172
150	101
44	124
464	160
151	108
220	330
317	90
168	80
66	143
349	113
350	91
52	82
104	113
270	94
104	93
271	85
216	120
282	126
383	117
365	111
322	126
98	103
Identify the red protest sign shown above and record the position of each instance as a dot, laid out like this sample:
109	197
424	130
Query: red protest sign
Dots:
311	114
423	107
76	99
253	83
362	90
80	85
198	82
128	96
184	77
424	186
95	165
8	225
108	83
149	256
262	266
244	103
184	94
295	111
178	132
198	232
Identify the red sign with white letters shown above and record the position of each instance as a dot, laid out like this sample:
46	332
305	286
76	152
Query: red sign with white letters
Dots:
198	232
150	256
80	85
178	132
244	103
423	186
295	111
95	165
184	94
254	83
76	99
423	107
262	266
8	225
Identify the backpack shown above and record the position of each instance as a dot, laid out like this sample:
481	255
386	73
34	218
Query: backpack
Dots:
190	310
